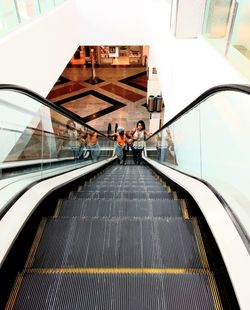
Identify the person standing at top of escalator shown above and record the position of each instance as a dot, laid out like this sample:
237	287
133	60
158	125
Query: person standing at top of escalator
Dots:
138	134
122	137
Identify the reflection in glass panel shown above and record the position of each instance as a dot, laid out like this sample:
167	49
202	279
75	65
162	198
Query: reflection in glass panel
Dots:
66	142
165	148
179	144
217	18
239	52
34	137
227	26
211	142
26	9
59	1
21	133
225	145
241	36
12	13
46	5
8	16
186	136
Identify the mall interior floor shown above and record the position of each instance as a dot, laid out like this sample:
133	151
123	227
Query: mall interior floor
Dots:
119	96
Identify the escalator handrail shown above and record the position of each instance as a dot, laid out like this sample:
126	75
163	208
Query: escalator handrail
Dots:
50	105
47	103
242	232
211	91
227	87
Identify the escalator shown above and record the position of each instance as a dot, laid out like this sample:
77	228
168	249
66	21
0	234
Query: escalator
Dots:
121	241
97	235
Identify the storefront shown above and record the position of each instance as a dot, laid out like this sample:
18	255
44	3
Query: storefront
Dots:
121	55
110	55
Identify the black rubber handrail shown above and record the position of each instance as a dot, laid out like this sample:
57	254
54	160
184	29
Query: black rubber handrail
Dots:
227	87
242	232
48	103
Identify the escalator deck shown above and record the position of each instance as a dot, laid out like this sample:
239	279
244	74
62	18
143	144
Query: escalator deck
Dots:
111	246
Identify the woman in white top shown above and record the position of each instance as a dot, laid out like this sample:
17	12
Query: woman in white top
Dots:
138	134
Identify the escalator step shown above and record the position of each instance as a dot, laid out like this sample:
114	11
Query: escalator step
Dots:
118	243
116	291
130	177
128	184
122	177
120	208
124	182
123	195
121	187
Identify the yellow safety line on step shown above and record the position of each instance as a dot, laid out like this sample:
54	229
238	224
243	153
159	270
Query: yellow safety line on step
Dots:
200	243
119	270
169	190
58	208
14	292
215	292
35	244
79	188
71	195
175	196
184	209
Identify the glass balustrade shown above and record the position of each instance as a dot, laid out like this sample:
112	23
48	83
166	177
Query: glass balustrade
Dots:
15	12
38	141
211	142
8	16
226	26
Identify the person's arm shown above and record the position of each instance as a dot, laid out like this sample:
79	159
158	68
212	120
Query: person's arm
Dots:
171	150
147	133
132	132
129	138
112	135
82	134
128	135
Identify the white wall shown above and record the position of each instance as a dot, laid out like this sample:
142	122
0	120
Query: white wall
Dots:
35	54
153	86
116	22
197	67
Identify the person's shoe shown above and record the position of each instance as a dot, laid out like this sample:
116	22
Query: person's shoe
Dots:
124	164
121	162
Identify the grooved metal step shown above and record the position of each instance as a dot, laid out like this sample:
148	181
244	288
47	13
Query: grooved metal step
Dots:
126	184
119	243
123	195
109	178
116	291
120	208
123	188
